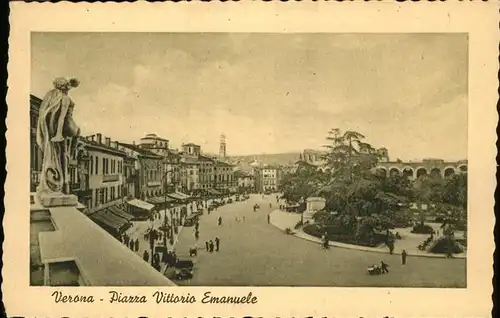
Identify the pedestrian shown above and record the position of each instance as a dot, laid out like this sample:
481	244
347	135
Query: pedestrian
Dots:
403	257
384	267
211	245
270	205
219	220
132	244
217	242
269	218
196	235
207	245
136	245
145	256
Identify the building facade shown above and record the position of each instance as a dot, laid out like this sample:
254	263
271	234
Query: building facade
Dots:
267	178
416	169
224	179
245	181
155	144
36	155
150	171
105	173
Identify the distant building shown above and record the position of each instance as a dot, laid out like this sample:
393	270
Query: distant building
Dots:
244	180
222	148
223	175
150	169
383	154
155	144
190	167
267	178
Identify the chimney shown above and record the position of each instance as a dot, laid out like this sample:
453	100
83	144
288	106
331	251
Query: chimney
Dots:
108	141
99	138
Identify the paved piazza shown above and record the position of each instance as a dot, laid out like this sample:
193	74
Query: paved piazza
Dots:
255	253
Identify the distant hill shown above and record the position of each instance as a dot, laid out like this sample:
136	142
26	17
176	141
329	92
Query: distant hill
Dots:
270	159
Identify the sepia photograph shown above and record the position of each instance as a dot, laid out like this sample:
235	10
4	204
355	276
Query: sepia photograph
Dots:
248	159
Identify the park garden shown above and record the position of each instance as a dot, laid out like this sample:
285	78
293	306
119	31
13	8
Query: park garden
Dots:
365	206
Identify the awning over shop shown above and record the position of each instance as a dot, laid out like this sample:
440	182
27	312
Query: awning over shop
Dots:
214	192
141	204
119	212
179	196
107	218
159	200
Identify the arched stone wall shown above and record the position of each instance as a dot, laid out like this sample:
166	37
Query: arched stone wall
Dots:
420	172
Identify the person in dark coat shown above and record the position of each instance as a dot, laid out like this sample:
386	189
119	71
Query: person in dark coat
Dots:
217	242
403	257
145	256
207	246
197	235
211	246
219	220
136	245
384	267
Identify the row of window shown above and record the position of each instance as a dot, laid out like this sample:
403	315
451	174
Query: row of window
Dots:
109	166
106	194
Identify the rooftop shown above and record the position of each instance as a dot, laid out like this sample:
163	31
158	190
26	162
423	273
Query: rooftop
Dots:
142	152
102	146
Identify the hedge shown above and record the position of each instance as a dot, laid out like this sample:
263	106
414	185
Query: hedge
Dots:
315	230
422	229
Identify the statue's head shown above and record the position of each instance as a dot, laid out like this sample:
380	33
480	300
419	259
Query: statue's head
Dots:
64	84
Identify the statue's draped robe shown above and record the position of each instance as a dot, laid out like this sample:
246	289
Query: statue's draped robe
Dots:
53	105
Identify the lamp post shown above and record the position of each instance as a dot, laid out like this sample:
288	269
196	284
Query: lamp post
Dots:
165	208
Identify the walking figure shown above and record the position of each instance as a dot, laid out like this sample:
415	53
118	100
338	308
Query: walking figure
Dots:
384	267
211	246
219	220
217	242
403	257
207	245
270	205
197	235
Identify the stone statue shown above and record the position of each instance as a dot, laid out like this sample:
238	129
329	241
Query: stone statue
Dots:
57	137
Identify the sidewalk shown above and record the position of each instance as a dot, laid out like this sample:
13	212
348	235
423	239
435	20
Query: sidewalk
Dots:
137	232
284	220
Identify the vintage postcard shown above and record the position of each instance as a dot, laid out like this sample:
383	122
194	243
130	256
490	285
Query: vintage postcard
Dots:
251	159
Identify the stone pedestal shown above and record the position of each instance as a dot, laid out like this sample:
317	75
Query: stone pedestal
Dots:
50	200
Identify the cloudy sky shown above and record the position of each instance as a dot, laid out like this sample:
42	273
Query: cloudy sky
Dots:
267	93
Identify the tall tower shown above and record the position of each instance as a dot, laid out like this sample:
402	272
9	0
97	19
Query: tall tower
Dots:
222	147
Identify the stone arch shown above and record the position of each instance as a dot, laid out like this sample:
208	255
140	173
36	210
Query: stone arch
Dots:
382	171
421	171
449	171
394	171
462	168
408	172
435	172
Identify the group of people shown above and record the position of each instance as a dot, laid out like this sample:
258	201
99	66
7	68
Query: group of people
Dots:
211	247
133	244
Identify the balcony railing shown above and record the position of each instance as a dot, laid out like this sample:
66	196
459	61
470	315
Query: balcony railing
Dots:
110	177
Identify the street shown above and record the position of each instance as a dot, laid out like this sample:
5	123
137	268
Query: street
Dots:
255	253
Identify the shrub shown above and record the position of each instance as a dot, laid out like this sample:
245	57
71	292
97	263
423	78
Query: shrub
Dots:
298	225
318	231
444	244
422	229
